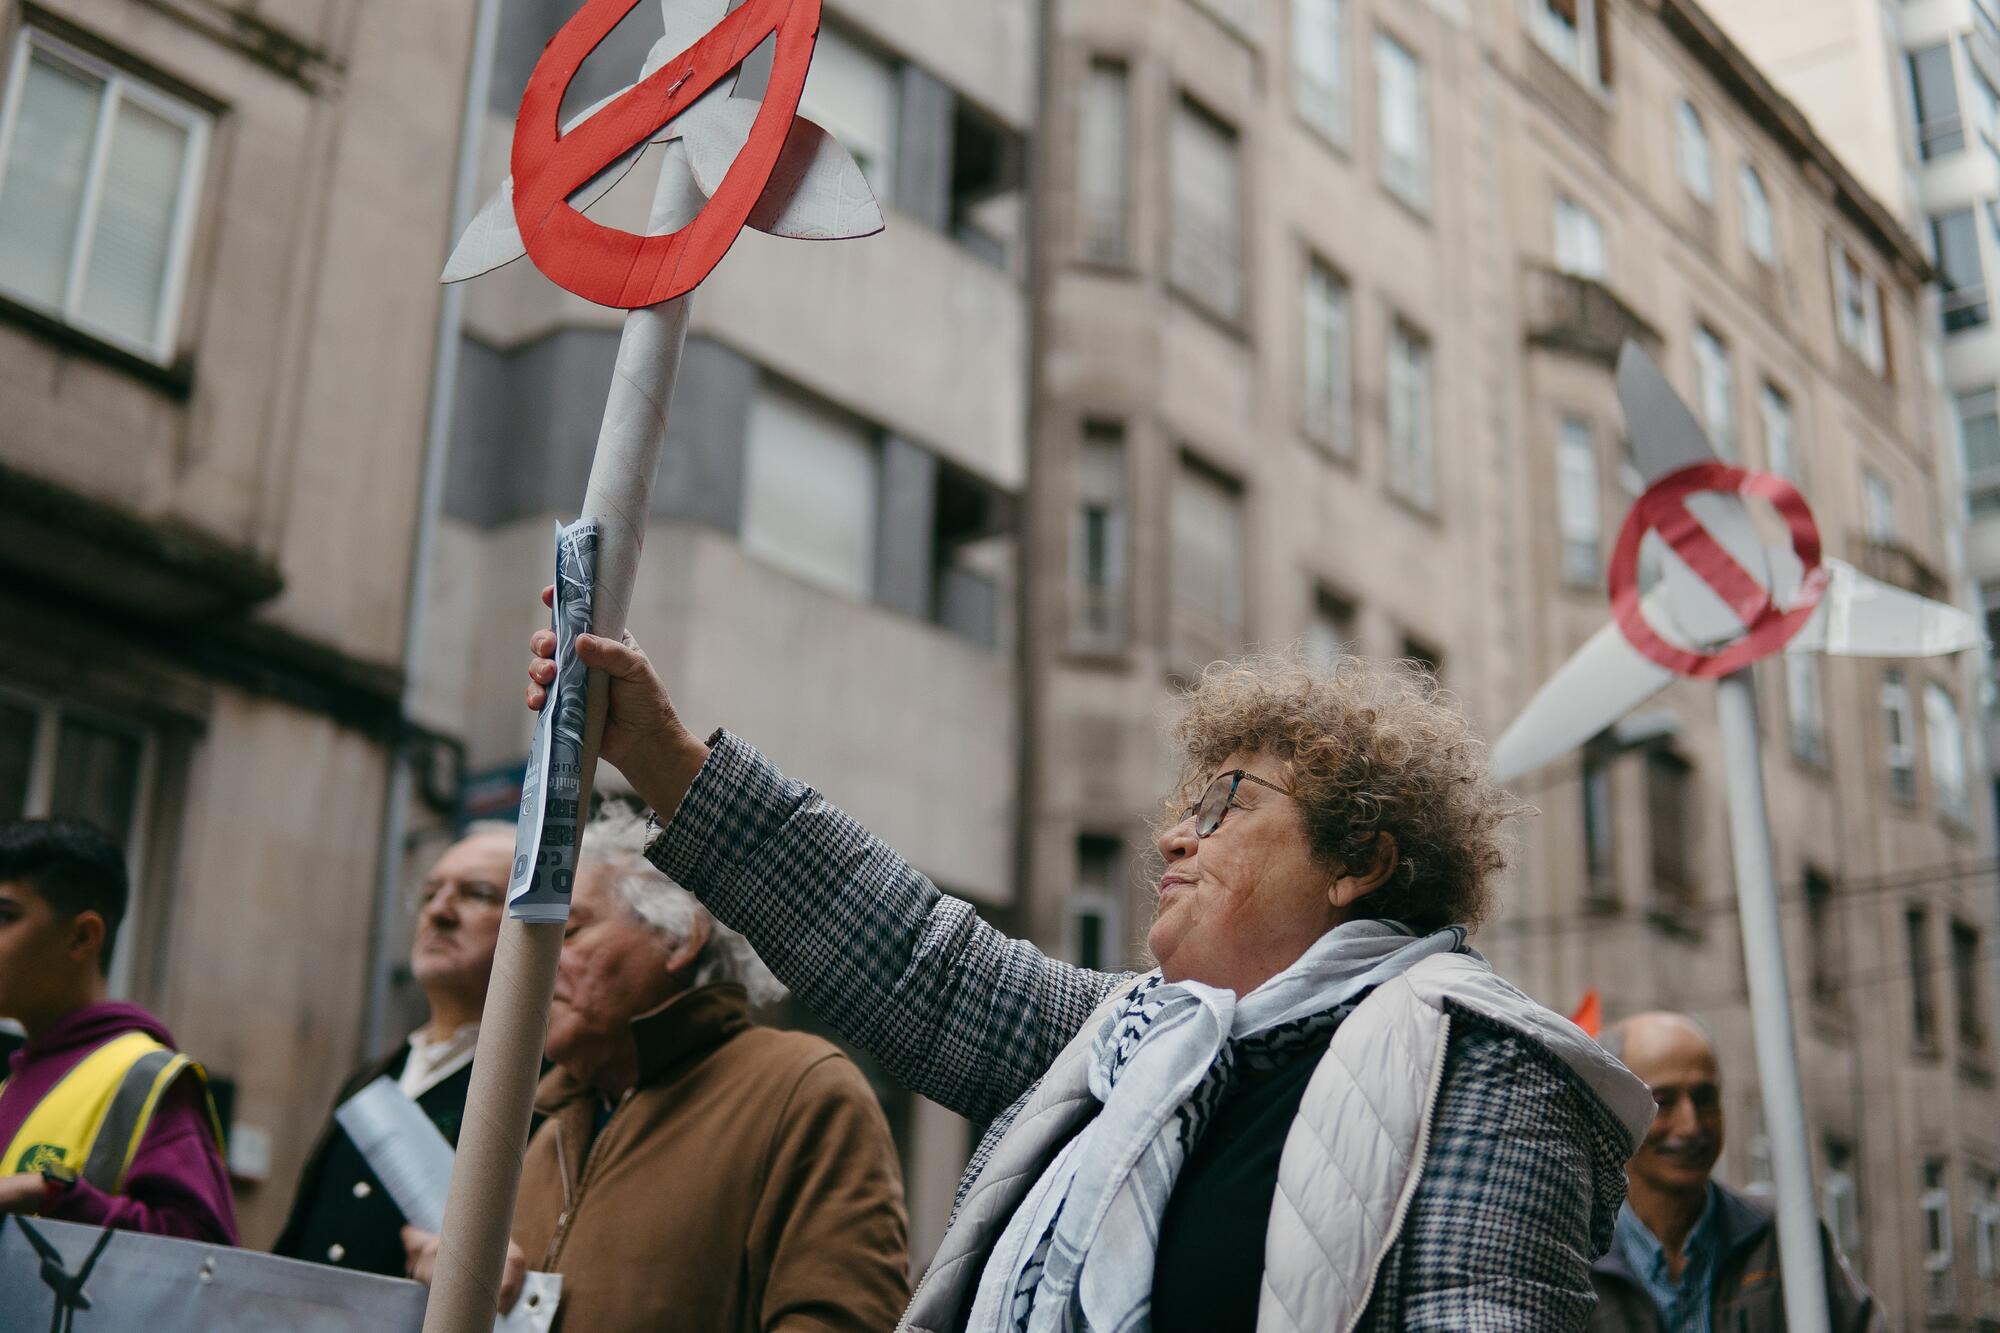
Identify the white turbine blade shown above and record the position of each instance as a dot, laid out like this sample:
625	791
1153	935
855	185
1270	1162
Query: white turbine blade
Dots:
1691	605
1864	617
493	238
686	22
1665	435
816	191
1602	682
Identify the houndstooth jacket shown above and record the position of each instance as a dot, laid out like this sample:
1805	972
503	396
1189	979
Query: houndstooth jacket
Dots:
1526	1167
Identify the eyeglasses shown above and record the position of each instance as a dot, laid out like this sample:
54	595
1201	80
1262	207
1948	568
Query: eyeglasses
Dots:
1216	802
469	892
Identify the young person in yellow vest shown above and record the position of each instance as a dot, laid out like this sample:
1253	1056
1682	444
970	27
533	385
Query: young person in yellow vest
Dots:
101	1120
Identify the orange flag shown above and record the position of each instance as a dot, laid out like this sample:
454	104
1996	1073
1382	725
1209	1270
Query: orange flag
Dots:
1589	1013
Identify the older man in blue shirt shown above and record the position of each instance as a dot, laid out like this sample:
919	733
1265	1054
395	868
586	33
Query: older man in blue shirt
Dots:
1689	1255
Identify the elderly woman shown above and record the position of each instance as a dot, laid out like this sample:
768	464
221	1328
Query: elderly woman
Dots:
1321	1111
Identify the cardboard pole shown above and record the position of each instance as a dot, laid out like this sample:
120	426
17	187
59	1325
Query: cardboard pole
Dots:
1771	1008
479	1213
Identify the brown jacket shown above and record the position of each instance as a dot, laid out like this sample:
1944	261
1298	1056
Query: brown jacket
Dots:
747	1182
1746	1294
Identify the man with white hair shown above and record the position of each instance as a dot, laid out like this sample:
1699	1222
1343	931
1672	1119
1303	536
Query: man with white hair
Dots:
341	1214
697	1170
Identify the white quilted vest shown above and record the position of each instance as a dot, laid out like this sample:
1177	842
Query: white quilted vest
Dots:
1351	1161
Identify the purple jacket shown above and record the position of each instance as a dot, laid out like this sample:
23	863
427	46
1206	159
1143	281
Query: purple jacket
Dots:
177	1184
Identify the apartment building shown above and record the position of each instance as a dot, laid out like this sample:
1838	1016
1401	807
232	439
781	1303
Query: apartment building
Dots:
1331	298
219	230
829	567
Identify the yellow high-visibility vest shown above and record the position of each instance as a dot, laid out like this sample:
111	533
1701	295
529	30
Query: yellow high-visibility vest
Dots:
92	1120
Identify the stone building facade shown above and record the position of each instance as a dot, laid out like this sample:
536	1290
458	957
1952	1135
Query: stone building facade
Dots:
1332	295
219	232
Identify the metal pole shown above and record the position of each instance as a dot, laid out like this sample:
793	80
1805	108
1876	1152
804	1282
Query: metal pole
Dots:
479	1213
437	443
1771	1009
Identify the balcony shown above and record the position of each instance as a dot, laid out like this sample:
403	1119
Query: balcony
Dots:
65	543
1583	317
1896	564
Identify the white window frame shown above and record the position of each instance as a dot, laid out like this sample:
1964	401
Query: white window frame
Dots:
1321	104
1760	226
1574	48
1195	484
1694	152
118	85
1899	743
1840	1210
1406	174
1104	188
1944	738
1097	492
1326	360
1878	508
1935	1203
1805	707
1581	249
1715	376
1857	303
1104	901
1986	1242
49	714
1206	262
1412	418
1579	504
1780	423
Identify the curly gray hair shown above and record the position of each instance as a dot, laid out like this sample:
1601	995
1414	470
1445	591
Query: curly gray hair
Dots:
617	837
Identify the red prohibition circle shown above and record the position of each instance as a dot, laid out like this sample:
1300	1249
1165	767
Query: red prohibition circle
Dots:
617	268
1767	626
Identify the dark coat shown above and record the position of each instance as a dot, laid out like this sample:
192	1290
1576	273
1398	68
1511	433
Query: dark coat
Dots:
342	1215
1746	1294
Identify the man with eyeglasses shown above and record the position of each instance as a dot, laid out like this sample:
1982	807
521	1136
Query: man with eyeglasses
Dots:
342	1215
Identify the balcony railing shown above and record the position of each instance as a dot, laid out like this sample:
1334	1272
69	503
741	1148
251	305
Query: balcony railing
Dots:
1571	313
1965	308
1896	564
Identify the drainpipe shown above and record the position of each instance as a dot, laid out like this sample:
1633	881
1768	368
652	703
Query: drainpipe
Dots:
437	441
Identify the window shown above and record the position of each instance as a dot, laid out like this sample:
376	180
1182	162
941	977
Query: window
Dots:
1319	65
1208	567
1206	252
1762	1183
1717	382
1898	731
56	760
1579	240
1780	440
1837	1199
1960	277
1670	826
1330	630
1423	656
1935	1201
1104	161
1412	460
98	178
1097	541
1822	938
986	203
1923	1004
1600	847
1940	129
1804	708
1966	986
851	91
1858	311
1404	121
1759	236
1579	510
1979	443
1945	740
1986	1241
1096	905
1328	410
809	491
1692	153
1878	508
1577	33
